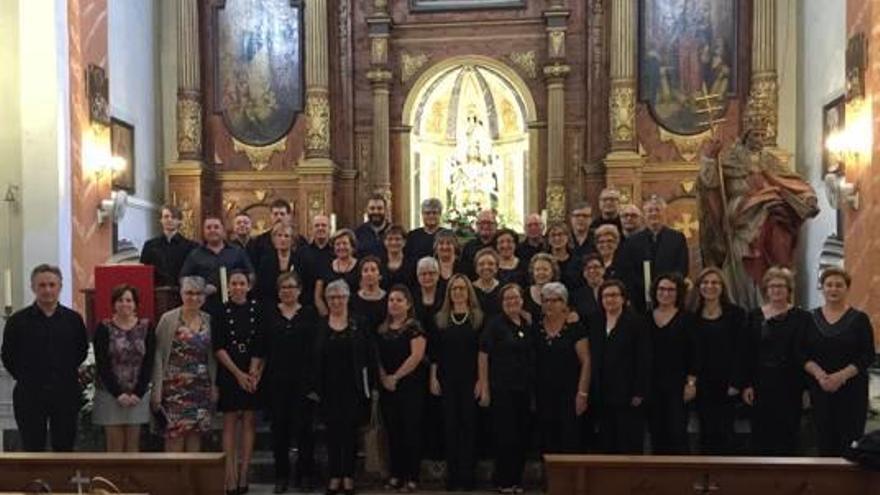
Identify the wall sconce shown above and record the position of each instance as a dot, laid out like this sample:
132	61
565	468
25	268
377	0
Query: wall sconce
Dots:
113	208
849	149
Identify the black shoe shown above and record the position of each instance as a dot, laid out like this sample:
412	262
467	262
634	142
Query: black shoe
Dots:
243	489
305	484
280	487
234	491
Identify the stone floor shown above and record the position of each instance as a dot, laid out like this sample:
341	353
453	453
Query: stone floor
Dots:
267	489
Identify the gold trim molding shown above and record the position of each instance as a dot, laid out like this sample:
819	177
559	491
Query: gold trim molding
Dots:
526	62
411	64
556	203
688	146
318	122
189	127
622	103
259	156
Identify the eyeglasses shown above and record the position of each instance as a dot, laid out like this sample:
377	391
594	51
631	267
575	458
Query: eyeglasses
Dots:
629	215
428	272
192	293
667	289
611	295
287	286
336	297
553	299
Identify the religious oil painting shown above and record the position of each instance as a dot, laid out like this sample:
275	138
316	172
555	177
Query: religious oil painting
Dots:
428	5
122	151
687	61
260	67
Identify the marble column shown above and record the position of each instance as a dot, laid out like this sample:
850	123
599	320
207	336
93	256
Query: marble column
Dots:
555	73
188	178
762	109
623	164
318	170
379	76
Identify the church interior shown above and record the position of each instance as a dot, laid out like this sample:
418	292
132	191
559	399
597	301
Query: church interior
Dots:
113	108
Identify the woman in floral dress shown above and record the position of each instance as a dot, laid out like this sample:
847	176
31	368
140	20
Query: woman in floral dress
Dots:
184	372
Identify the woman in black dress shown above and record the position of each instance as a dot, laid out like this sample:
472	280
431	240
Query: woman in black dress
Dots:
586	299
238	344
674	380
448	255
344	266
543	269
368	303
562	361
454	347
507	363
487	285
561	249
396	268
607	241
286	256
343	377
428	297
291	337
838	349
620	349
719	327
773	380
511	269
401	348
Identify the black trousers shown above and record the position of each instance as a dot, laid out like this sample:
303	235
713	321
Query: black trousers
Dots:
667	422
460	423
342	421
40	413
433	431
292	415
839	417
776	419
621	429
402	413
559	427
510	415
716	416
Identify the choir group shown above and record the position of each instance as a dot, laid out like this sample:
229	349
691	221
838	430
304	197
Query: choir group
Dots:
579	337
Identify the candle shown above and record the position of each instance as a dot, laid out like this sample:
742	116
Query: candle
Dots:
224	293
646	271
7	288
332	223
366	218
544	217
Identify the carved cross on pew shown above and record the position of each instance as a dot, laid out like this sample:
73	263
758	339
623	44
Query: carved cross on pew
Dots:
79	480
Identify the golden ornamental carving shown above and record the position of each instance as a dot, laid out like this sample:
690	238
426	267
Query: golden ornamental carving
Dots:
318	122
187	226
261	195
379	76
762	108
623	113
259	156
189	127
688	146
557	43
687	186
687	225
379	50
380	6
315	201
411	64
556	203
526	61
556	71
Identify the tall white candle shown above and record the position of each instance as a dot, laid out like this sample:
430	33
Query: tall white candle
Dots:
646	271
544	217
332	223
224	292
366	218
7	288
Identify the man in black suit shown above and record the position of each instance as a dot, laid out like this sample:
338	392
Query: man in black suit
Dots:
167	252
580	218
533	241
487	227
609	210
370	233
665	248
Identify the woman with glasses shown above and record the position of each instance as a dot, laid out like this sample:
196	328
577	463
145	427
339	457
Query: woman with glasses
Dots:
427	300
344	266
607	241
343	377
562	373
719	327
397	268
286	256
511	269
184	371
559	240
454	347
446	252
586	298
838	349
507	363
674	380
290	330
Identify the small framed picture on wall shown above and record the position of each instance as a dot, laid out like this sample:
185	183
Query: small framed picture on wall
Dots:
122	150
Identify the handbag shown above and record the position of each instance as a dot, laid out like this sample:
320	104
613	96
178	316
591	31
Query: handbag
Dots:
375	442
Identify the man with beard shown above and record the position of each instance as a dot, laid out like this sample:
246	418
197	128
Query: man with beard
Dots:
420	242
369	234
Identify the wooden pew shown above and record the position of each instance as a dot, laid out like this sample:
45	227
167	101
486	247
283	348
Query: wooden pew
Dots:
648	475
155	474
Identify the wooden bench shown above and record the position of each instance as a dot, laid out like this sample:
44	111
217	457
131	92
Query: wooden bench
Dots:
155	474
646	475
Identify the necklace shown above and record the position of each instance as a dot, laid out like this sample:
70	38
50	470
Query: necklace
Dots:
456	320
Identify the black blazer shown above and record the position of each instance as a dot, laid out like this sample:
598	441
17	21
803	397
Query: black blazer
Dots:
668	255
363	354
620	360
